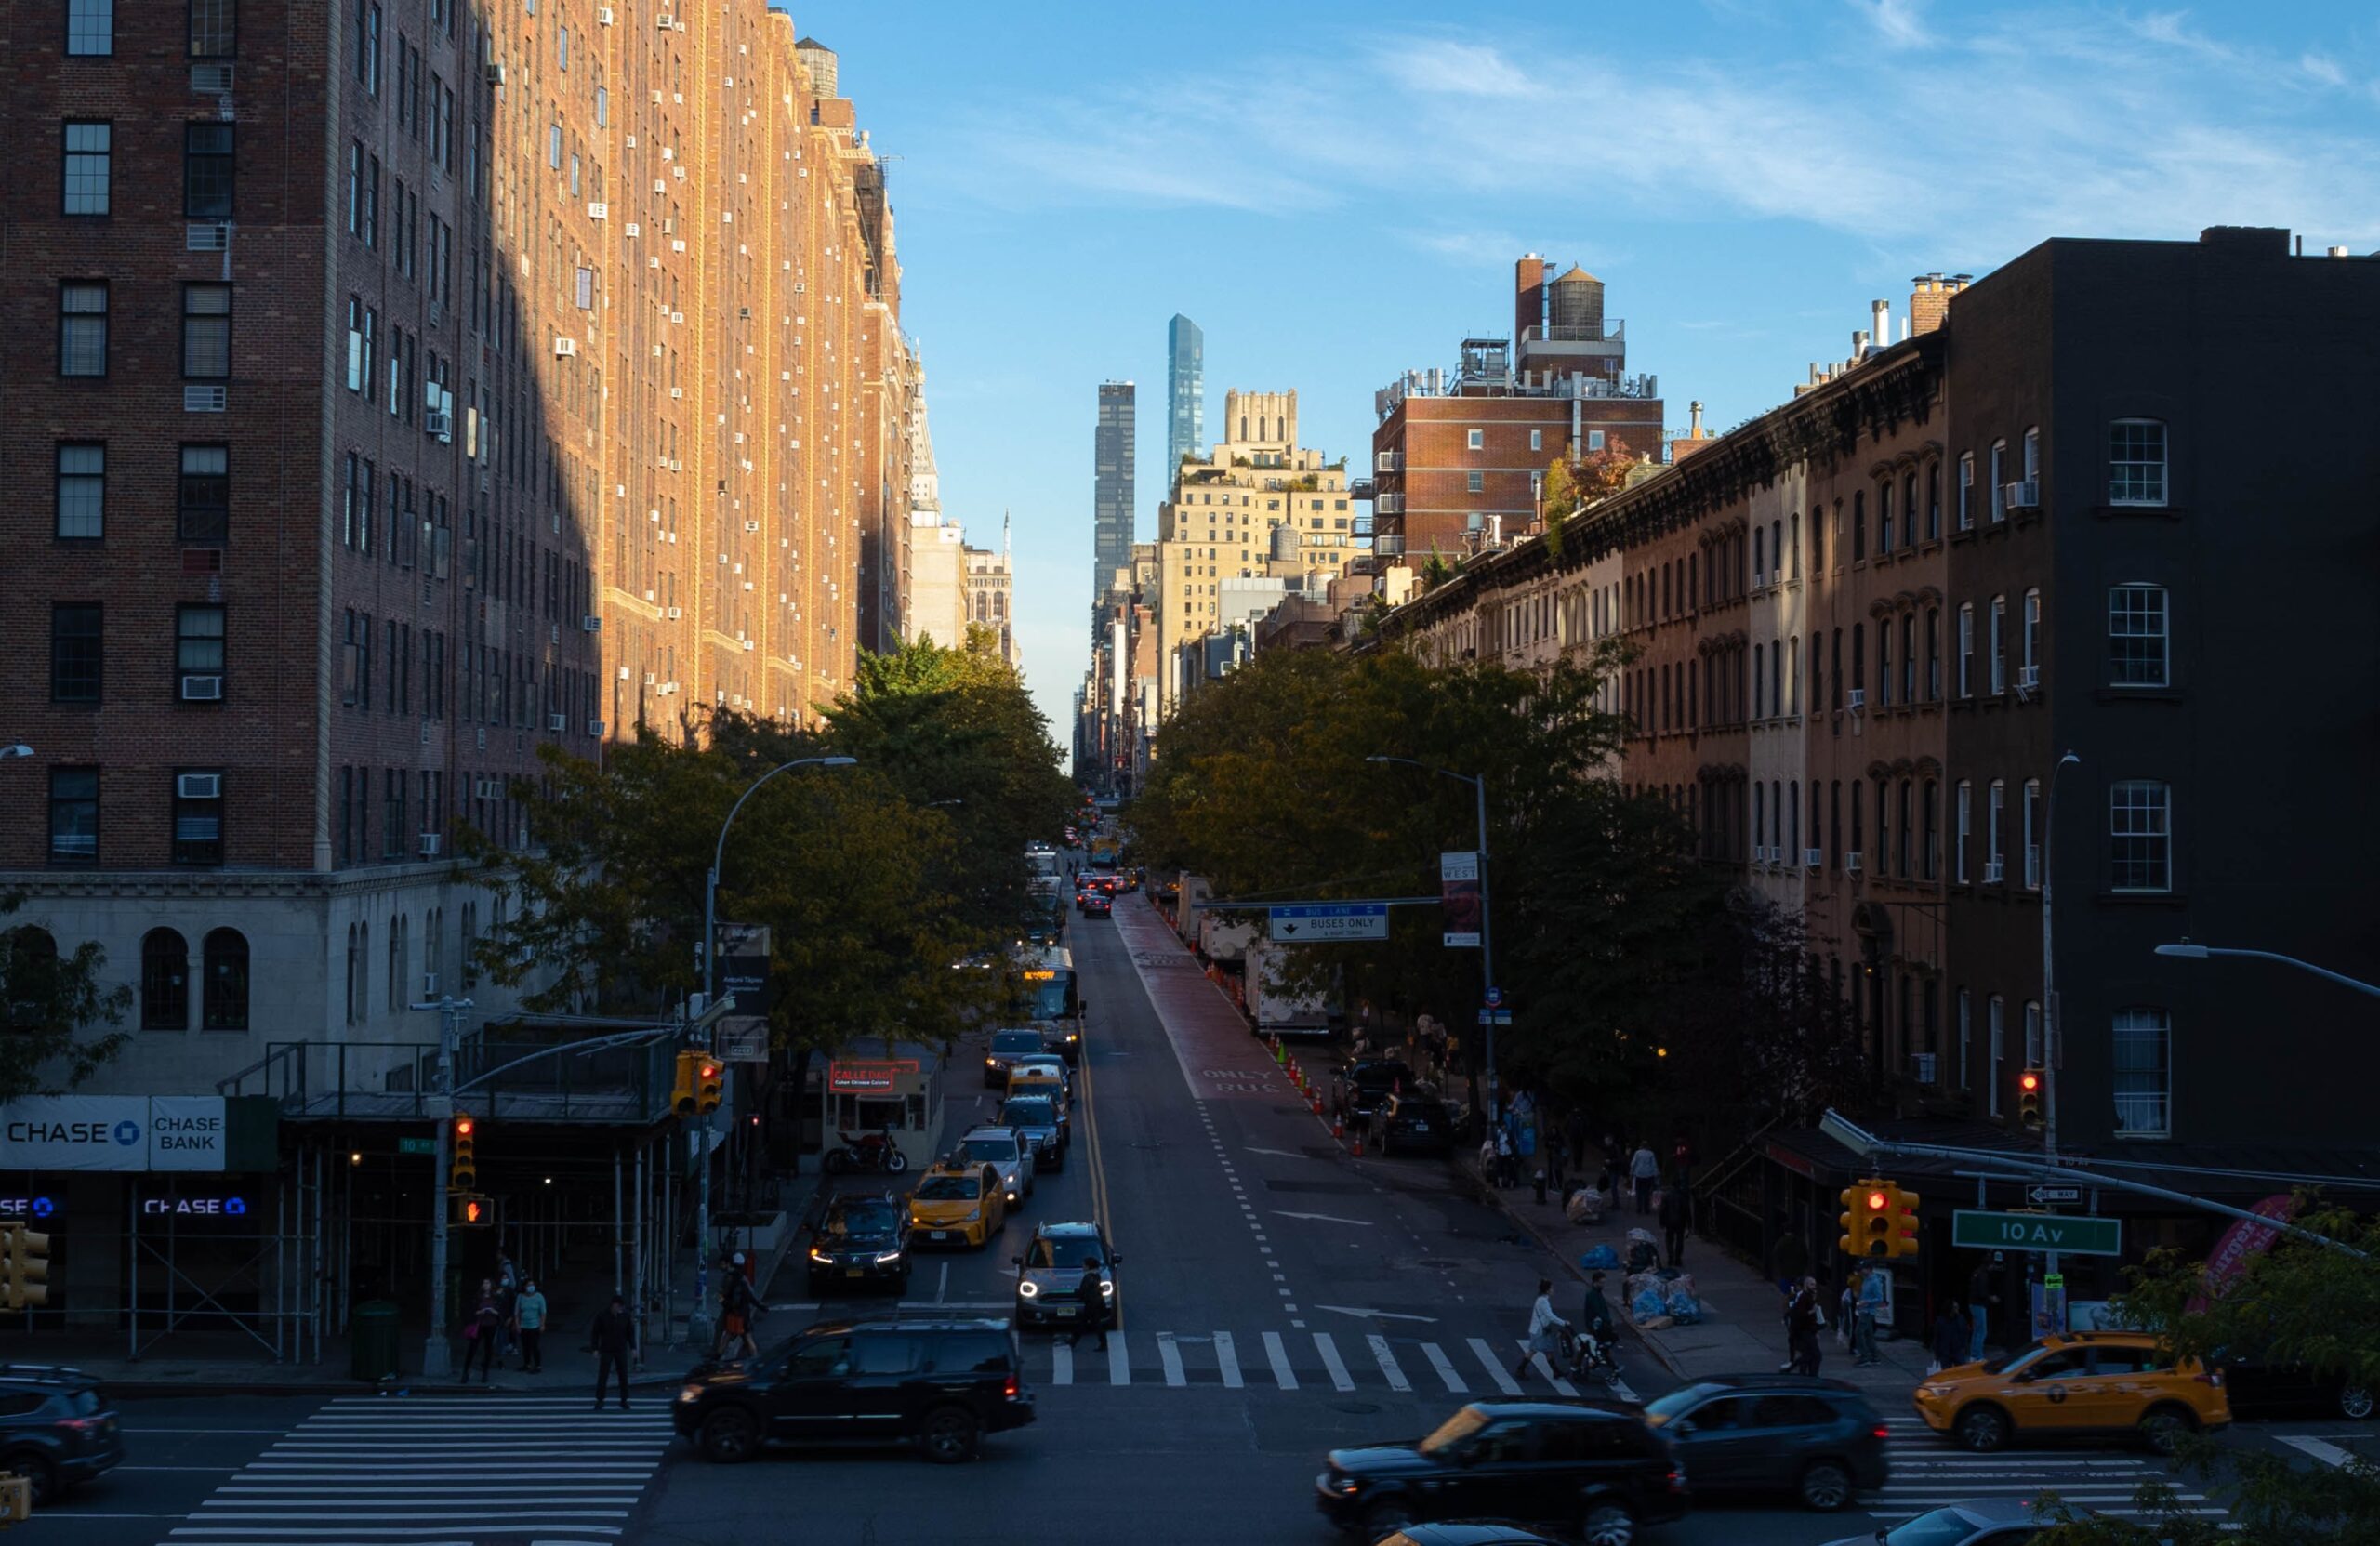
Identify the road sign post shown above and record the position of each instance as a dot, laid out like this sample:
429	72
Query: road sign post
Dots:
2041	1231
1324	922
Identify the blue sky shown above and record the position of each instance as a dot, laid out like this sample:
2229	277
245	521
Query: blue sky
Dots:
1336	192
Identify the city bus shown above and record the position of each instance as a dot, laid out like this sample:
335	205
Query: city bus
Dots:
1045	999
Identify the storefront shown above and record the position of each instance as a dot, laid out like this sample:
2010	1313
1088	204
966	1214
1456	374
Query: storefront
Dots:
899	1092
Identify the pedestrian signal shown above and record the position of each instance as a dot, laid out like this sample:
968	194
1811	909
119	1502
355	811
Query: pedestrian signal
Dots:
463	1172
2028	1097
473	1211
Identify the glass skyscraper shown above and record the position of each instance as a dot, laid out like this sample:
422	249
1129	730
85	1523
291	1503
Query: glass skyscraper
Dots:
1185	392
1110	491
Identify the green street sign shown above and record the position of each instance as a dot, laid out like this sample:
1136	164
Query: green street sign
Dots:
418	1145
2073	1235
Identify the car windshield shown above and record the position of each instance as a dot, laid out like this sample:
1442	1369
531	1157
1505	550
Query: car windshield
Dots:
1942	1527
950	1188
1045	1000
1381	1075
1453	1431
1063	1250
992	1149
865	1218
2010	1363
1033	1113
1016	1041
1662	1411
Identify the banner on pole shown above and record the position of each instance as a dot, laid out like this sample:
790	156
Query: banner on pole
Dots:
1459	899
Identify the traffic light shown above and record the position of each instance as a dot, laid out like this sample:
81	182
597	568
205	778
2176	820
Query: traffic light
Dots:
24	1267
2028	1097
463	1172
1903	1240
472	1211
682	1091
1879	1218
708	1072
1854	1209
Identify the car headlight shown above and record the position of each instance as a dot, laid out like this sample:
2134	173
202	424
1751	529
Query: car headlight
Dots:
691	1392
1107	1288
1028	1289
1346	1486
975	1216
884	1256
1936	1391
817	1255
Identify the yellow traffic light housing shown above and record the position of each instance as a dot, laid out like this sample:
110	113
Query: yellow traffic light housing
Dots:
1879	1218
708	1071
463	1172
2028	1097
1849	1218
681	1093
1904	1214
24	1267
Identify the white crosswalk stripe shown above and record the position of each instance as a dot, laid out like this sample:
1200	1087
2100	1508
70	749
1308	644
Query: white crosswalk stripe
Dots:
1191	1359
1388	1365
1279	1356
1926	1472
1495	1367
1227	1360
1340	1378
442	1470
1439	1361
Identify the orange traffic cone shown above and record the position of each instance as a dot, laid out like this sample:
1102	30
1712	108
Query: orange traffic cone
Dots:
1338	1128
1359	1145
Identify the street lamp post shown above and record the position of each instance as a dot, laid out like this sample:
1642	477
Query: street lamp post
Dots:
2049	1011
1486	932
437	1359
698	1319
2188	952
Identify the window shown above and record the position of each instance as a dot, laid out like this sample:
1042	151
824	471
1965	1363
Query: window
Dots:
1474	439
2140	835
164	981
1930	855
553	159
206	332
2030	813
207	171
1934	654
1883	662
1997	644
198	818
368	46
198	641
1966	1040
1885	518
2033	455
2137	462
1475	482
203	508
2136	636
1994	870
561	48
212	29
1934	502
355	188
1999	490
82	328
604	119
81	490
89	156
1858	524
74	816
75	652
1962	829
90	28
2032	1033
1966	649
1536	439
1595	439
1996	1027
1967	492
2144	1073
2031	645
355	972
225	963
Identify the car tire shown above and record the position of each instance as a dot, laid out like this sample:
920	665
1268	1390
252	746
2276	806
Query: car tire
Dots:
730	1436
949	1435
2163	1428
1608	1523
1385	1518
1825	1486
1982	1430
2355	1402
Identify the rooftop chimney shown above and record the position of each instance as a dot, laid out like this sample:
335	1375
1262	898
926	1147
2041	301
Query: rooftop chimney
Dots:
1695	408
1929	299
1528	295
1858	345
1880	318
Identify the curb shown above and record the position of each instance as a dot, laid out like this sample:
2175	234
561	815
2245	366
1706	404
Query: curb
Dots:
1661	1355
147	1390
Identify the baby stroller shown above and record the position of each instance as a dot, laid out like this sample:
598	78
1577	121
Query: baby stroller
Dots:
1644	1251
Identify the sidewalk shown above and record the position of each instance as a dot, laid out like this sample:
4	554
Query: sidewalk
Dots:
1742	1328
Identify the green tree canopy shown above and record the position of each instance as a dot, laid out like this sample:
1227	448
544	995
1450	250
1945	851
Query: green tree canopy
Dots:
54	1003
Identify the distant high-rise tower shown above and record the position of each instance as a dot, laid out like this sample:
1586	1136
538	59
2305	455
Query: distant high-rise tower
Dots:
1186	391
1112	492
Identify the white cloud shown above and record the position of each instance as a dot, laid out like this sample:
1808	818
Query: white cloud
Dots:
1898	21
1444	68
2323	69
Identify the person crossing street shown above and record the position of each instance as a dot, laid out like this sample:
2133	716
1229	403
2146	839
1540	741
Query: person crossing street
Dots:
612	1339
1545	1328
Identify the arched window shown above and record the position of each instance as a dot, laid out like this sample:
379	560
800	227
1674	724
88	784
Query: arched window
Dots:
30	959
164	981
350	974
396	967
224	957
363	972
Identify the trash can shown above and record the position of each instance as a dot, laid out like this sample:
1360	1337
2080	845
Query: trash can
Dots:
374	1337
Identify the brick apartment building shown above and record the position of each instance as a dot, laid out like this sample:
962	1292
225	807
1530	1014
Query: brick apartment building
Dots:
398	387
1869	624
1457	463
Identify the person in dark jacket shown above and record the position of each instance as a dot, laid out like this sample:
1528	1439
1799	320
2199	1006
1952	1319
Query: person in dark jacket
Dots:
612	1339
481	1331
1950	1336
1802	1330
1095	1304
1677	1217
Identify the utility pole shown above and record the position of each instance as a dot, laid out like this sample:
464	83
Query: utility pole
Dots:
1487	933
437	1357
2053	1299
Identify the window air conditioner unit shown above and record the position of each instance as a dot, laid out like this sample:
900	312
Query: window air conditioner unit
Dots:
662	22
208	236
2029	678
565	346
1858	699
752	525
440	425
203	689
676	612
429	846
2025	494
557	722
1921	1066
635	229
599	211
1851	863
495	72
210	80
429	985
595	728
198	785
603	15
205	400
1813	857
592	623
1992	870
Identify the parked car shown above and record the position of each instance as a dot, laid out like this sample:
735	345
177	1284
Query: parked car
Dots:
1595	1468
1050	1274
1416	1122
1984	1522
2292	1389
1367	1085
862	1239
2075	1384
1774	1432
1006	1047
56	1428
940	1384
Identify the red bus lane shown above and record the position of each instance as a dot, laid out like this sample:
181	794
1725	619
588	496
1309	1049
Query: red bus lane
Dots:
1220	1059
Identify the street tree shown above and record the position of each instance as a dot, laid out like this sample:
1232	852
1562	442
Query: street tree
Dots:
54	1005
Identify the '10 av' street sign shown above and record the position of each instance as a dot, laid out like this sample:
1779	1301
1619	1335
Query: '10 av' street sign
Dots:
2072	1235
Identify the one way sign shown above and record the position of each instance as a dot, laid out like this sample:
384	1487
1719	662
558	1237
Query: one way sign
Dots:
1321	922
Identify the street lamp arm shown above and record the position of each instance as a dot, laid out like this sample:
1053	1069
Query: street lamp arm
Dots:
2187	951
719	853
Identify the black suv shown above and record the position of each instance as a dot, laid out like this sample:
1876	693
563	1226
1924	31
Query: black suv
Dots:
1416	1122
1591	1467
1365	1087
1774	1432
940	1384
56	1428
862	1240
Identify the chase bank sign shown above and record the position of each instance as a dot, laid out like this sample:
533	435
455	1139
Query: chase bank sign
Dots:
112	1132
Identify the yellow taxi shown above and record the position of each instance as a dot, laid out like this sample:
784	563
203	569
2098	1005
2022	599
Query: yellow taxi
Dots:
958	1200
1038	1078
2082	1383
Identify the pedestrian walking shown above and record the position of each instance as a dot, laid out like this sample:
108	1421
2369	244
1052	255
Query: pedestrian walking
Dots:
508	1293
1644	1169
1950	1337
1090	1290
738	1307
1558	1158
1983	1294
1677	1217
480	1332
1803	1320
529	1321
1876	1292
1504	1160
1545	1329
1608	1183
612	1339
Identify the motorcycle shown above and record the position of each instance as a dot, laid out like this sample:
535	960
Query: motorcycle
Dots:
869	1151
